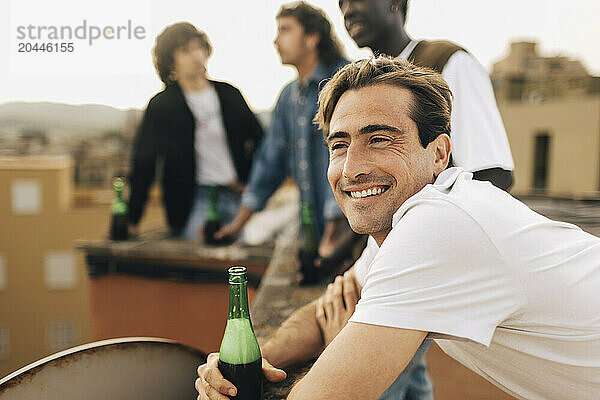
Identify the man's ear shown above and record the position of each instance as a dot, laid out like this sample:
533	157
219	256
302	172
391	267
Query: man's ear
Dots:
312	40
441	149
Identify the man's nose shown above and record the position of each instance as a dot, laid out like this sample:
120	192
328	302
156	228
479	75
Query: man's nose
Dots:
357	162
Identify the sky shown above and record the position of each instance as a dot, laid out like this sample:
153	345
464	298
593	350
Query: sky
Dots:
119	73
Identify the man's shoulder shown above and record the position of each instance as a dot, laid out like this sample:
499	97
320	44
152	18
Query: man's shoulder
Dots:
434	54
440	45
224	87
454	196
166	98
286	92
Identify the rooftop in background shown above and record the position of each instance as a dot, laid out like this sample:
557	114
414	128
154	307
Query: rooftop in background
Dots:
525	75
35	162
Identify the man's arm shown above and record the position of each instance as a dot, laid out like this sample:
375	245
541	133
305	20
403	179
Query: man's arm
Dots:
360	363
311	328
143	165
479	141
298	339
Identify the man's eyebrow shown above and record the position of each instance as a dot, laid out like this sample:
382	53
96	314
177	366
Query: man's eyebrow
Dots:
336	135
379	127
364	130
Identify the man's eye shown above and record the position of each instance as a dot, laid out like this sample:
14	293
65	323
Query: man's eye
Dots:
338	145
379	139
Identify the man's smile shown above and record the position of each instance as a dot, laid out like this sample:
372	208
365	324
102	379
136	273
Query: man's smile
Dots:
367	192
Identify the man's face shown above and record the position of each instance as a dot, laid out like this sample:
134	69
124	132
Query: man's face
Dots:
190	59
376	159
291	42
367	21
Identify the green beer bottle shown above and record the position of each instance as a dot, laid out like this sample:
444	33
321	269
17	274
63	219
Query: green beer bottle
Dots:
118	226
309	249
212	222
240	360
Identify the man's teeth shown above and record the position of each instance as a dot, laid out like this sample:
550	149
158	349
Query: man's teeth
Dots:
369	192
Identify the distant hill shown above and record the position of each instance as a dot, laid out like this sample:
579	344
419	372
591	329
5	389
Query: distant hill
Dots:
60	118
67	117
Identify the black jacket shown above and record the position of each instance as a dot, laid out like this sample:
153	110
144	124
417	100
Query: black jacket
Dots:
166	136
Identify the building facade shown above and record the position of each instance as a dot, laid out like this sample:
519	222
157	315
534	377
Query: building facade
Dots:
551	110
44	286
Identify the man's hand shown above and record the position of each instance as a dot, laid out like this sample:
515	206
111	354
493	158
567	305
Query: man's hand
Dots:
336	306
333	234
132	231
230	230
211	384
233	229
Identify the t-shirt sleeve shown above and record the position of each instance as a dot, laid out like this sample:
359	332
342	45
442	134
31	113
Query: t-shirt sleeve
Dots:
361	266
478	136
439	272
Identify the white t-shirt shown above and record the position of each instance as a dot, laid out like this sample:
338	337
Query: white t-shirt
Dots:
214	165
507	292
478	137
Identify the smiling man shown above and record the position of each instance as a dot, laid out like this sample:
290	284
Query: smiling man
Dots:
507	292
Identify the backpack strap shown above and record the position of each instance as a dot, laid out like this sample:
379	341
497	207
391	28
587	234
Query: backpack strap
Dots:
433	54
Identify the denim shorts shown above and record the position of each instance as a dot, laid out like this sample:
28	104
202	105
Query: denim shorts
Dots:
229	203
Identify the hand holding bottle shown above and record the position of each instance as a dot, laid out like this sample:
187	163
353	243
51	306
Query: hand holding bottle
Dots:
234	227
211	384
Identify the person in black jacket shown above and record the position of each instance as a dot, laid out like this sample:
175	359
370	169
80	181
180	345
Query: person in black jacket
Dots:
200	132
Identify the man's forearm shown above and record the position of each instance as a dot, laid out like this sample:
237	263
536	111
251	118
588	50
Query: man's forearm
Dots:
297	339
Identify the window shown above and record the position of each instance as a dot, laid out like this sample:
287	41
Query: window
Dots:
540	162
26	197
61	270
61	335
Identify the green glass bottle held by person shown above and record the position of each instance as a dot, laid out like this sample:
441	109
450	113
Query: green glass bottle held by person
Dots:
309	249
240	359
118	226
213	217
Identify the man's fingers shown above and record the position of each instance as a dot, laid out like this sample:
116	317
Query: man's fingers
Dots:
320	312
337	298
272	374
214	379
206	391
213	394
327	302
350	293
210	373
221	233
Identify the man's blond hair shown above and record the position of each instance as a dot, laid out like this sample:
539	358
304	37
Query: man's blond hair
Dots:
432	99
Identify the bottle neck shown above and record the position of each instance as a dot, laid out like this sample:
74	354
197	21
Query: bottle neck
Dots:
119	206
307	218
212	214
238	301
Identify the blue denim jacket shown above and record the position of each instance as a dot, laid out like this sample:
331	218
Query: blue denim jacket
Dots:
294	146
